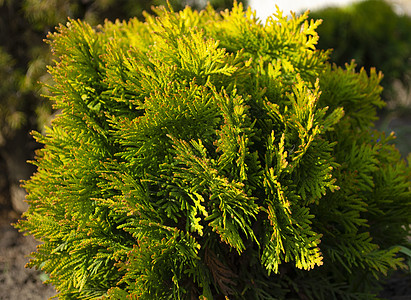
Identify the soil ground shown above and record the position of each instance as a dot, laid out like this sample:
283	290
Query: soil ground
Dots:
16	281
20	283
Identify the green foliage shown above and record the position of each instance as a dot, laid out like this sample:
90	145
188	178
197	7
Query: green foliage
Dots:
23	69
205	155
23	56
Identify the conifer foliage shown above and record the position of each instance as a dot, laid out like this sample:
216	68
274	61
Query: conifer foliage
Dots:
203	155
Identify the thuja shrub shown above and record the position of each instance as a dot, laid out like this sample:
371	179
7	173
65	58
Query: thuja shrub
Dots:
203	155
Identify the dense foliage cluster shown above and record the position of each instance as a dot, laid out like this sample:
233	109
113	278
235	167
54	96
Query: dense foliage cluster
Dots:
23	59
205	155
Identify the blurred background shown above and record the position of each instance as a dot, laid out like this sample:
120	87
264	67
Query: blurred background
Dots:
375	33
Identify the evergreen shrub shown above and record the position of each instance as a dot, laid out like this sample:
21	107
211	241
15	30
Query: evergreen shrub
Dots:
204	155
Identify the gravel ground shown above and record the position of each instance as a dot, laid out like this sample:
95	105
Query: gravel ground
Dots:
16	281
